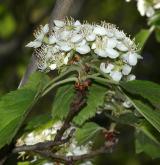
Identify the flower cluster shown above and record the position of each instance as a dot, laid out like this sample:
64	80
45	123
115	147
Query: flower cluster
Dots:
147	7
116	52
70	149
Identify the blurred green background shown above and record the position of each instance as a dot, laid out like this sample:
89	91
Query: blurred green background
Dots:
19	18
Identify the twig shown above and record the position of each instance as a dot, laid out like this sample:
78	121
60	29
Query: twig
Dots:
72	159
43	145
76	106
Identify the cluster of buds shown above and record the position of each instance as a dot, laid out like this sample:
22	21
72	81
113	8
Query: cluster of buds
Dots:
70	149
147	7
56	47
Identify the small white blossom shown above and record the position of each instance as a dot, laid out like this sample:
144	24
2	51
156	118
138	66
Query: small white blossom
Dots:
106	68
127	104
53	66
131	77
99	30
126	69
147	7
59	23
116	75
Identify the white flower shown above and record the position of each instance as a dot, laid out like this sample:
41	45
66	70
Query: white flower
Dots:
126	69
59	23
34	44
52	39
39	35
106	68
47	163
76	38
116	75
91	37
131	58
99	30
104	47
131	77
127	104
83	49
120	46
147	7
112	53
53	66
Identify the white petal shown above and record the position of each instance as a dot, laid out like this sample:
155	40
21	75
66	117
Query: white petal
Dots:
111	43
64	46
66	59
101	52
77	23
45	29
59	23
82	43
109	33
91	37
76	38
65	35
131	77
53	66
132	59
126	69
93	46
40	36
52	39
120	46
141	5
106	68
98	30
112	53
116	75
127	104
84	49
119	34
150	12
34	44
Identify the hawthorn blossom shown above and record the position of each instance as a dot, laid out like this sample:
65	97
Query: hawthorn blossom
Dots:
40	135
115	51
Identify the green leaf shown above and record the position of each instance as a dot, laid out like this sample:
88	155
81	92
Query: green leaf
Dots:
146	142
152	116
146	89
157	33
95	99
15	105
127	119
142	36
155	20
87	132
37	121
62	101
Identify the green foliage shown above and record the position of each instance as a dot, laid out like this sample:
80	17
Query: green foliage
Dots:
62	101
146	141
157	33
7	23
95	98
127	118
15	105
146	89
142	37
151	115
37	121
87	132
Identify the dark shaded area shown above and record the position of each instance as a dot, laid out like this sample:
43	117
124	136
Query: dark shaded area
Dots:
19	18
